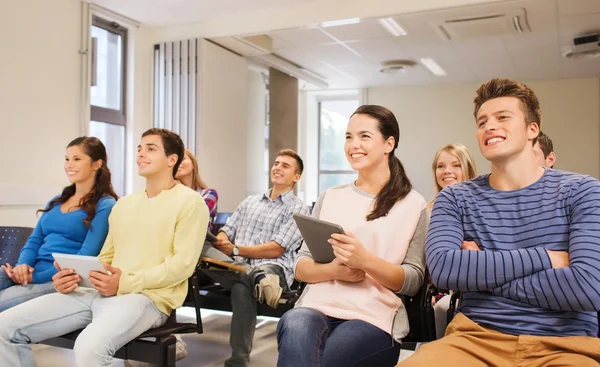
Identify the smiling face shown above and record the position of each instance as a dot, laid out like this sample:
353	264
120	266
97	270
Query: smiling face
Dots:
502	131
284	172
448	170
79	166
365	146
152	159
186	168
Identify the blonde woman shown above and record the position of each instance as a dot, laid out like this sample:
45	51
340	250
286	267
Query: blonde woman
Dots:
189	175
452	164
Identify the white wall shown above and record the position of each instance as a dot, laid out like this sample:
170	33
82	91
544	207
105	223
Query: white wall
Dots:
255	134
40	74
222	117
432	116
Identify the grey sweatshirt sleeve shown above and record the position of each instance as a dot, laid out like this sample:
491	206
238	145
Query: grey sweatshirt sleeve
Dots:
414	261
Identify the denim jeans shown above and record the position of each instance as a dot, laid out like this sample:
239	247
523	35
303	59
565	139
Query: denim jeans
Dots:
12	294
109	322
308	338
243	303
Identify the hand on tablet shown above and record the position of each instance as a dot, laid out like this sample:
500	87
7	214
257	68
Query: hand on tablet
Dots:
344	273
224	246
107	284
349	250
66	280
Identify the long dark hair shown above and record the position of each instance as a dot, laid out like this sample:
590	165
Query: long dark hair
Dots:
94	148
398	185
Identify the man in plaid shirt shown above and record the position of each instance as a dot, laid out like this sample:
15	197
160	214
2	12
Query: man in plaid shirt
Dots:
263	235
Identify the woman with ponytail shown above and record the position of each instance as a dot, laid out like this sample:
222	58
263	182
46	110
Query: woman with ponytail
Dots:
74	222
349	313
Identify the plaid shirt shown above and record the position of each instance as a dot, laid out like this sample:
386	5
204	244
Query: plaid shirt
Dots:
210	198
259	219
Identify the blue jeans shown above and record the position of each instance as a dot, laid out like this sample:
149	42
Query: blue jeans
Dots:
309	338
12	294
108	322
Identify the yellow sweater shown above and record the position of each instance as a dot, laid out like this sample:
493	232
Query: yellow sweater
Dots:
156	243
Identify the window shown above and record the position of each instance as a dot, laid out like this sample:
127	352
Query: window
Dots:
334	168
107	94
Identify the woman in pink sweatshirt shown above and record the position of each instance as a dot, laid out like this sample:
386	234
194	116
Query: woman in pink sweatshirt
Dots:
350	313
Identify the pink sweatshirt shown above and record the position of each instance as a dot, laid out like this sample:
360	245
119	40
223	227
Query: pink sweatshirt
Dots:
398	238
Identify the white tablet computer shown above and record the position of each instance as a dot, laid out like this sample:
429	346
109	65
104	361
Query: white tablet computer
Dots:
315	233
81	264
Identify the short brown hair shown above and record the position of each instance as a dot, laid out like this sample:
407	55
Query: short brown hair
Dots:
502	87
293	154
545	144
172	143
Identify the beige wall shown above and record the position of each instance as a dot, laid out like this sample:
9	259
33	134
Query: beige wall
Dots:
222	116
256	179
40	74
431	116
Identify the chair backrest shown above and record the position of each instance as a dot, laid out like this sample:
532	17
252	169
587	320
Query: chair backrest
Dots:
220	220
12	240
421	315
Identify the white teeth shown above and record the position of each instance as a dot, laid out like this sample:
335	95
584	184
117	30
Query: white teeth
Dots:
357	155
494	140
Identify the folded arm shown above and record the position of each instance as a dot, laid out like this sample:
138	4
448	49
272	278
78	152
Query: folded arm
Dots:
576	287
455	269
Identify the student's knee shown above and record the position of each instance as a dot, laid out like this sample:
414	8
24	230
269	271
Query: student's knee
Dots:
90	351
241	291
298	321
10	330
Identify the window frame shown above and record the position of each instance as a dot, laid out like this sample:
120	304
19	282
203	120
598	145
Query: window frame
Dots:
320	101
109	115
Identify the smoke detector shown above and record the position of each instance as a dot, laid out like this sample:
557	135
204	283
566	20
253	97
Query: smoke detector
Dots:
396	66
586	46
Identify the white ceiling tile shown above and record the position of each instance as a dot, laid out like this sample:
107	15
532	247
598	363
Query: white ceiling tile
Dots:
380	50
335	54
367	29
280	43
580	68
304	37
536	63
578	7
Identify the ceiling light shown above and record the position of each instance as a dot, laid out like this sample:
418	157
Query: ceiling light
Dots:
433	66
396	66
336	23
392	26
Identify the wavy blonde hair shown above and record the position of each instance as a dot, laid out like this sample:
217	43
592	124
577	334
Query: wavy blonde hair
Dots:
465	158
197	181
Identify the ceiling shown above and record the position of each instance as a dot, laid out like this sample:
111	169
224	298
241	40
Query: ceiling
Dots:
163	13
351	55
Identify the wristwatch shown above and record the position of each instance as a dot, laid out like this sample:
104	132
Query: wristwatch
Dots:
236	251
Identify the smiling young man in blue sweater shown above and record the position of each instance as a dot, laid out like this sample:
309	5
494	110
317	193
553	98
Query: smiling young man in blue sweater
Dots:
522	244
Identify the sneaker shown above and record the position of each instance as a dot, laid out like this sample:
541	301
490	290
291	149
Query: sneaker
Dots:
268	290
180	352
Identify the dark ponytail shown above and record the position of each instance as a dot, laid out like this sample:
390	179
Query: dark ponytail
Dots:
94	148
398	185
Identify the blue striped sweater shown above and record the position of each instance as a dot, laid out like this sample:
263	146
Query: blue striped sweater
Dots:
510	285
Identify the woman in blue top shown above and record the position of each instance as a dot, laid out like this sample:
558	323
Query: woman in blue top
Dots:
75	222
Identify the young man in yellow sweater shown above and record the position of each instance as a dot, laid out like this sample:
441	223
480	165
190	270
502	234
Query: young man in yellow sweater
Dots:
155	238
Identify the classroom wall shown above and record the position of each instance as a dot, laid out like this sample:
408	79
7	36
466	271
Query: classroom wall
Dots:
435	115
